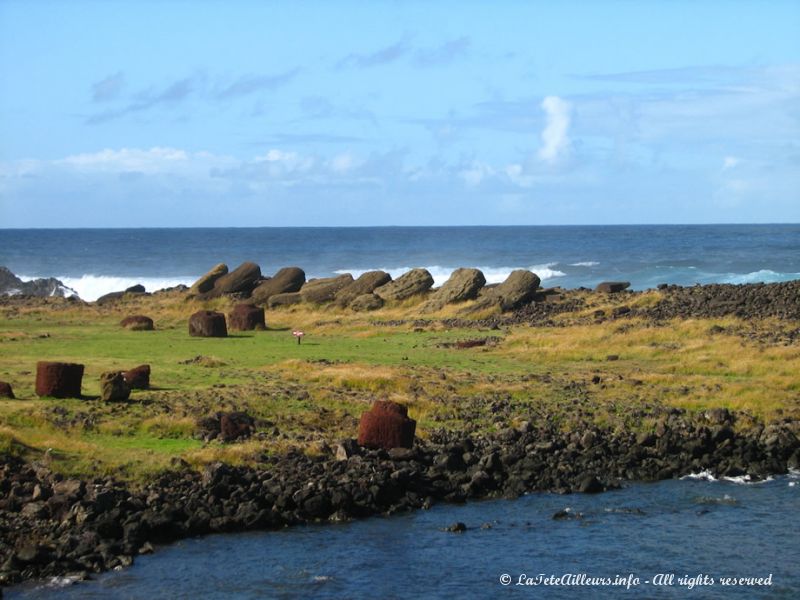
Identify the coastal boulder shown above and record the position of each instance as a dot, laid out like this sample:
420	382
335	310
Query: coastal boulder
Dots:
137	323
463	284
247	317
207	281
6	391
207	323
365	284
386	425
110	297
416	281
366	302
287	280
318	291
12	285
612	287
58	379
113	387
519	288
284	299
236	425
138	378
241	280
134	290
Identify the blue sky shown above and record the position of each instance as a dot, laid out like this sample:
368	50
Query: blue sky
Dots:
146	113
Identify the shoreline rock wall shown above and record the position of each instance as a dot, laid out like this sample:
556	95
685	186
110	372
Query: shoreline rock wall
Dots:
52	526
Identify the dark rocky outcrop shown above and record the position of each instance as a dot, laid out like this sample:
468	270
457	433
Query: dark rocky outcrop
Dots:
247	317
207	323
285	281
750	301
242	280
415	282
612	287
114	387
138	378
12	285
207	281
366	302
58	379
6	391
463	284
284	299
365	284
319	291
386	425
137	323
518	289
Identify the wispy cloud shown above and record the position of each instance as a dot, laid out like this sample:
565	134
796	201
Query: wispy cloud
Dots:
173	93
320	107
440	55
404	50
255	83
382	56
555	136
196	85
108	88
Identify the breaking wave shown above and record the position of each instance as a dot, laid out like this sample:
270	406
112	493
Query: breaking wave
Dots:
91	287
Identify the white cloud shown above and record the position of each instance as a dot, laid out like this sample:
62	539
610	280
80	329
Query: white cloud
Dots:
729	162
555	138
475	173
154	160
342	163
280	162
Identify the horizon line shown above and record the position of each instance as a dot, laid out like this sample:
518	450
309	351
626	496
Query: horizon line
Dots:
159	227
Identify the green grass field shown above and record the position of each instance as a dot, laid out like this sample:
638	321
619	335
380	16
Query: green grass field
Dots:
313	393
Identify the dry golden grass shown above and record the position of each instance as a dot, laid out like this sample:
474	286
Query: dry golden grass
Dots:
681	364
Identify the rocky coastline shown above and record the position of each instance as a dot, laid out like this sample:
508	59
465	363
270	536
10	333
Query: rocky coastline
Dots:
55	526
52	526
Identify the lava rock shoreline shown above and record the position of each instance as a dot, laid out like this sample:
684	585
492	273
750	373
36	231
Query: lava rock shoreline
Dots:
52	526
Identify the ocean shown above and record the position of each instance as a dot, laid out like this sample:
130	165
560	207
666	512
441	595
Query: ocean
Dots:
97	261
697	530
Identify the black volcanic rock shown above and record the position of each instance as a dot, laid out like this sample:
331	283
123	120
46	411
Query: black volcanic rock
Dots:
12	285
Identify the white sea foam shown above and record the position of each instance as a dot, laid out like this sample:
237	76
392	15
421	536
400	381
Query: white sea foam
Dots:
746	479
91	287
62	581
441	274
740	479
764	275
702	476
588	263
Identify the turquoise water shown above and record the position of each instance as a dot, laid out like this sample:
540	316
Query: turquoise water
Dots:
688	529
97	261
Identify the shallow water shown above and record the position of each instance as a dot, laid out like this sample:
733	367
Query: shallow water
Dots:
692	527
